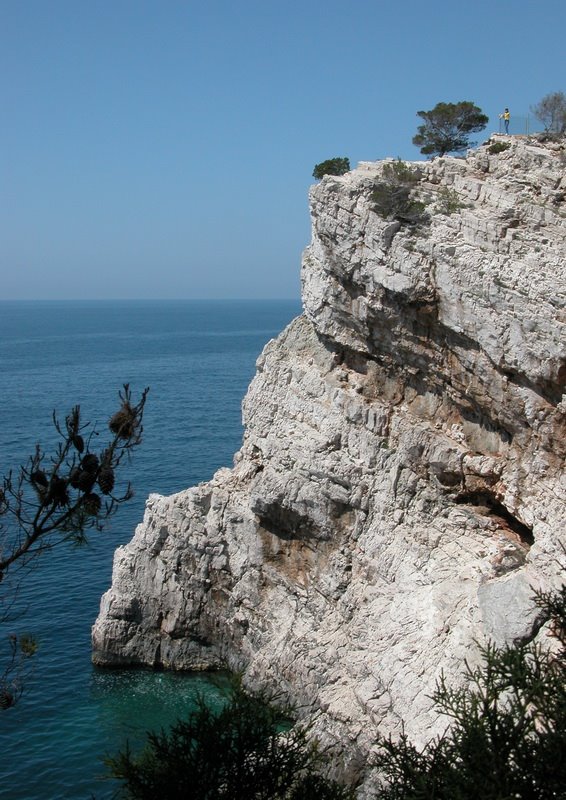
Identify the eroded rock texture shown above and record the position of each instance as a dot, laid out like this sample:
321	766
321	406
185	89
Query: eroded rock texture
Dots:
401	484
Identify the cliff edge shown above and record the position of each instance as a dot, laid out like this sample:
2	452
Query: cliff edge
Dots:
400	487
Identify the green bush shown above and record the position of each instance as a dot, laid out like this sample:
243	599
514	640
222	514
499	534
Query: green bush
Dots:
448	201
395	202
498	147
246	750
393	198
400	173
333	166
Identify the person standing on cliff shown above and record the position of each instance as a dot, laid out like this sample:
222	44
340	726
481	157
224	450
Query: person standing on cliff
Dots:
506	116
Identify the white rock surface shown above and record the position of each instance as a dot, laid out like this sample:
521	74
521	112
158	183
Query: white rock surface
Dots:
401	485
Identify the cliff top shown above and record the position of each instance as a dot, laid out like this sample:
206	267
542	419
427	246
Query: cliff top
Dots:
489	256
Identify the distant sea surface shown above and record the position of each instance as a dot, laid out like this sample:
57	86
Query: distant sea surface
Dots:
198	358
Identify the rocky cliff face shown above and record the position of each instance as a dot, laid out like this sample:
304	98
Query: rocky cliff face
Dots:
400	486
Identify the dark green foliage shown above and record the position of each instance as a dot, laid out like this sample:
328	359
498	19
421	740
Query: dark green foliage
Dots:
393	197
395	202
448	201
447	127
508	736
498	147
400	173
333	166
237	753
551	111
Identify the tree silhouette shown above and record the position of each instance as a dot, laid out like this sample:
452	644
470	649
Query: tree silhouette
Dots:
58	498
551	111
447	127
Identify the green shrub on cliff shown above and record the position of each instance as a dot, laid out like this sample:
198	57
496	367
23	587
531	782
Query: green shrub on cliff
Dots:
394	198
498	147
448	201
333	166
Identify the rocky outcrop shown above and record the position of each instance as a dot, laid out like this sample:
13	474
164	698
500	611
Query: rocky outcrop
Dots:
400	487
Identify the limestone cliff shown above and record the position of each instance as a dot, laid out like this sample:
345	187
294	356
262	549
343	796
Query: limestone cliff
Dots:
400	486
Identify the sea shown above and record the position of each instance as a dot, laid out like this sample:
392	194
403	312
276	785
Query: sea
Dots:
197	358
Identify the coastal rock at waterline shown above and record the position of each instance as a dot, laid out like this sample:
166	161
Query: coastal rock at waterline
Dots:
400	487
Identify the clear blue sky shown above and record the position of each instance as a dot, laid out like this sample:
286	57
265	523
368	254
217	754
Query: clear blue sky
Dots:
164	149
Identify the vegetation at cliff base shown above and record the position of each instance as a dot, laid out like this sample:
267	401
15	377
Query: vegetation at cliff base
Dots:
505	738
245	750
333	166
447	127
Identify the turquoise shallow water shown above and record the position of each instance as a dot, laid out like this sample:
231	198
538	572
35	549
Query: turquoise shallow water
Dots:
198	359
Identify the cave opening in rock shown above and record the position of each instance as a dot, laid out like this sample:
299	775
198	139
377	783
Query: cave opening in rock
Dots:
495	508
285	523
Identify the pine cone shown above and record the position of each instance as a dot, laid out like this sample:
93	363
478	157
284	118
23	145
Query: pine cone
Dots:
39	477
90	462
58	492
74	477
80	479
106	479
92	504
123	423
78	442
7	699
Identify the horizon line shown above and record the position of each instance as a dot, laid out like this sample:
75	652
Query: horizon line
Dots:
145	299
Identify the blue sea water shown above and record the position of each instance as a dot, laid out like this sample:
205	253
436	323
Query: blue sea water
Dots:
198	358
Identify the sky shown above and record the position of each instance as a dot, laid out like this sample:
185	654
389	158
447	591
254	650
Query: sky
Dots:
164	148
